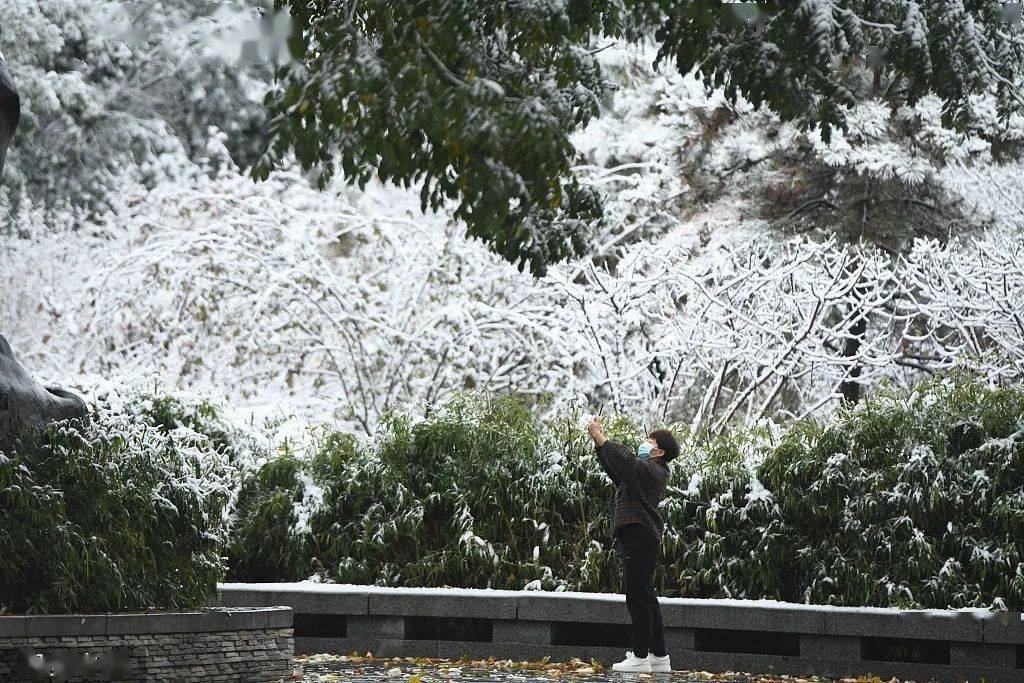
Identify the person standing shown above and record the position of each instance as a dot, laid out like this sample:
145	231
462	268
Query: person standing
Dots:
640	485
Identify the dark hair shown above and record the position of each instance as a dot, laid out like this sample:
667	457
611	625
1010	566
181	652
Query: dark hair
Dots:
666	442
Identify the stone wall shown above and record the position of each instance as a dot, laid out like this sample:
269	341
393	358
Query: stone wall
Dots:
249	644
756	636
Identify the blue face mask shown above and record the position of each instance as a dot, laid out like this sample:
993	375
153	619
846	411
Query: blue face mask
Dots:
644	451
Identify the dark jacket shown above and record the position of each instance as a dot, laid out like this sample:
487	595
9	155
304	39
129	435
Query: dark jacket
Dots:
640	486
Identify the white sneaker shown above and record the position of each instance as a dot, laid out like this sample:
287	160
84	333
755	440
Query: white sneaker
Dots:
659	664
633	663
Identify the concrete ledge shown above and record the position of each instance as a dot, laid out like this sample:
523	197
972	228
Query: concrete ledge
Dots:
214	619
66	625
374	627
791	638
1003	627
983	655
122	624
924	624
334	646
604	608
425	604
279	616
610	608
325	602
829	647
747	615
12	627
521	631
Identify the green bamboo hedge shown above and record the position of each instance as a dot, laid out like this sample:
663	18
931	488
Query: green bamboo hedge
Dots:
913	499
124	513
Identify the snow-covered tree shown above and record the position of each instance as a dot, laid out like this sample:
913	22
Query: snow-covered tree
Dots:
476	99
812	60
470	101
111	87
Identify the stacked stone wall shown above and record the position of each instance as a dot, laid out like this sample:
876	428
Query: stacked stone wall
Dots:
221	644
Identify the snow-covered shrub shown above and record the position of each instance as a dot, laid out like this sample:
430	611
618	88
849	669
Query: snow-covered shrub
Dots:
913	499
265	543
125	512
479	493
284	296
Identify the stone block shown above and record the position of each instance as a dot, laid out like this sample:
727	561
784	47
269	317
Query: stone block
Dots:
12	627
280	618
374	627
388	647
564	653
213	620
328	601
454	649
986	655
430	604
880	622
65	625
337	646
1003	627
521	631
605	608
260	619
679	638
746	615
830	647
137	624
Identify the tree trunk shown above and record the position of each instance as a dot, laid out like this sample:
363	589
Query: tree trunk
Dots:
23	401
10	111
850	388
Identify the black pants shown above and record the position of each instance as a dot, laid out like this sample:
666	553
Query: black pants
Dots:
638	549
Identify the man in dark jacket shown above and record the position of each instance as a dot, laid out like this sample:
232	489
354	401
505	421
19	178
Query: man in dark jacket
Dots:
637	528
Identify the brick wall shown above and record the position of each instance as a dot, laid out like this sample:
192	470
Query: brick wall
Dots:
214	645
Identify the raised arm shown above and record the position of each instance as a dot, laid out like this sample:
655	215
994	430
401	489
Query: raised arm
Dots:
604	464
619	459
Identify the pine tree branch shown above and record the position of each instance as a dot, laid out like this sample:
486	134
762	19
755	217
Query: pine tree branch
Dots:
864	22
808	204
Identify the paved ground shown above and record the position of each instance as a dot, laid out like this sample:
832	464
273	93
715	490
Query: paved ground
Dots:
357	669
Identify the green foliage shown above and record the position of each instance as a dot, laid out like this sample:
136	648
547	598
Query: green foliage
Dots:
473	99
124	513
263	545
460	498
476	99
809	61
913	499
909	500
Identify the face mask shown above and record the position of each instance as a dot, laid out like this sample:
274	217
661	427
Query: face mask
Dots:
644	451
